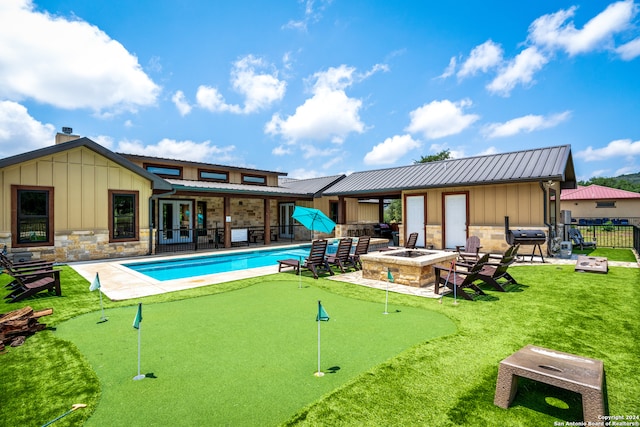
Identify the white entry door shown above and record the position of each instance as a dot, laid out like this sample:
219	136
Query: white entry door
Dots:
455	220
176	223
415	217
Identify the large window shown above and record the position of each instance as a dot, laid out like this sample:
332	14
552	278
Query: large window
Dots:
123	208
32	216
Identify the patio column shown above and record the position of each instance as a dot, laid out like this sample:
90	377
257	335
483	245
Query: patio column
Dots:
267	221
227	225
380	209
341	210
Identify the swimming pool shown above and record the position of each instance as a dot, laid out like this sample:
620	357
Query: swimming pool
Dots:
182	268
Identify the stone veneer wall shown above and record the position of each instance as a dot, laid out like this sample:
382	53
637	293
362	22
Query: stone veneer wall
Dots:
492	238
84	246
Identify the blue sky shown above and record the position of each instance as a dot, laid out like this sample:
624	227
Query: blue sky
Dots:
316	88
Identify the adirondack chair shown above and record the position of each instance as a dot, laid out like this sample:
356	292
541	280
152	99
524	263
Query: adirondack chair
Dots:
341	258
31	285
314	262
460	279
410	244
492	272
362	247
23	268
470	251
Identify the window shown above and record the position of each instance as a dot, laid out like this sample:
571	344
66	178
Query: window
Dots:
123	208
610	204
207	175
254	179
164	171
32	216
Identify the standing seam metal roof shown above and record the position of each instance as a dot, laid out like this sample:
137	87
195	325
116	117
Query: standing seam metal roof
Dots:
527	165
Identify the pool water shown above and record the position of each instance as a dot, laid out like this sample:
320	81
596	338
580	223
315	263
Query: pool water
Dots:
182	268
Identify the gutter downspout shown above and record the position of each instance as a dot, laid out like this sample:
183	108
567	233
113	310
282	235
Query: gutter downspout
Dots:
151	200
544	202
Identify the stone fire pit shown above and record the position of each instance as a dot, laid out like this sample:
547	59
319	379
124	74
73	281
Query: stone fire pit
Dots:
411	267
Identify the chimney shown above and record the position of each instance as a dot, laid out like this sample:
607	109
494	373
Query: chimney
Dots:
66	135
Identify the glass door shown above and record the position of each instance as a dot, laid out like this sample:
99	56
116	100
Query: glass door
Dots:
176	222
285	220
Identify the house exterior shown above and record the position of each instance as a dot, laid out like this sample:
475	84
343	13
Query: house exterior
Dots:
447	201
599	203
77	200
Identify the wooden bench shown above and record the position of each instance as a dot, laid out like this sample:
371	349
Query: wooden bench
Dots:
578	374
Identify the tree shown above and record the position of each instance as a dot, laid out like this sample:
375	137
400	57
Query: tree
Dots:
443	155
617	182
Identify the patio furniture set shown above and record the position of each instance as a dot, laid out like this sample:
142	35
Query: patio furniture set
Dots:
29	278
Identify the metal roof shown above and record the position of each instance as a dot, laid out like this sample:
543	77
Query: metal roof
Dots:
597	192
313	186
249	190
158	183
553	163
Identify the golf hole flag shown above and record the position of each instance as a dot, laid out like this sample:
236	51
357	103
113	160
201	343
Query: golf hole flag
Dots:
389	275
322	314
321	317
138	318
95	285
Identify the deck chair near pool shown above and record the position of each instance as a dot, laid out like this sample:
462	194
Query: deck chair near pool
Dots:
470	251
362	247
576	238
460	279
341	258
31	285
315	261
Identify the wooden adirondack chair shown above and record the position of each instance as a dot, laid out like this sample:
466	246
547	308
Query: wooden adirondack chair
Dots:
460	279
362	247
341	258
30	284
470	251
314	262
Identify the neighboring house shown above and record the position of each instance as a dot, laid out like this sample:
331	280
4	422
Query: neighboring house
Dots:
77	200
598	203
447	201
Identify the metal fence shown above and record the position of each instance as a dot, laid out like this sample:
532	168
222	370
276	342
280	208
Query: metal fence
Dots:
196	239
610	235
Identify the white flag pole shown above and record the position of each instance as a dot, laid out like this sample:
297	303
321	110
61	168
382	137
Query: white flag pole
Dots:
103	318
319	373
139	376
386	299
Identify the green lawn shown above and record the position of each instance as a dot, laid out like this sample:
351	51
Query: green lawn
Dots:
443	381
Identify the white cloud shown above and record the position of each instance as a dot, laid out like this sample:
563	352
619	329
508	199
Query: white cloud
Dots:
390	150
312	14
451	68
104	140
630	50
313	152
441	118
528	123
281	150
482	58
553	31
617	148
181	103
20	132
67	63
519	71
259	89
328	114
184	150
303	173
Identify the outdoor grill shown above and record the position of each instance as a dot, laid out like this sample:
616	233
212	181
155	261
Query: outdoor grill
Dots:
533	238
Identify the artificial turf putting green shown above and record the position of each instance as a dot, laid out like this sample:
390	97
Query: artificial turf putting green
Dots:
245	357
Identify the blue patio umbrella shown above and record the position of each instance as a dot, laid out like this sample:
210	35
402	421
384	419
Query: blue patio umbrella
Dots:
313	219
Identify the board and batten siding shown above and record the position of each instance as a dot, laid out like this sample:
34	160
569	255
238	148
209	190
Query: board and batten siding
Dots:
81	179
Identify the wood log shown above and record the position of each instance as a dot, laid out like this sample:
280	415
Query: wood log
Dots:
17	324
